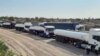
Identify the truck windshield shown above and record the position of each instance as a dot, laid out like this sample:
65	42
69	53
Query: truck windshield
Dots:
80	29
50	29
27	26
96	38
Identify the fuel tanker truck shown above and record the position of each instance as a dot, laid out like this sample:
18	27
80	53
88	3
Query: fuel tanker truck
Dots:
19	27
89	39
46	31
9	25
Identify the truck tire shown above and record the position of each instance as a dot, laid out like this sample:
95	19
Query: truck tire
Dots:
60	39
96	52
63	40
57	38
41	34
78	45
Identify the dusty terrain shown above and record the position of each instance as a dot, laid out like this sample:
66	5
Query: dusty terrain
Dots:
29	45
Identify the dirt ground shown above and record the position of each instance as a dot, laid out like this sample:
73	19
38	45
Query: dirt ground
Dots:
29	45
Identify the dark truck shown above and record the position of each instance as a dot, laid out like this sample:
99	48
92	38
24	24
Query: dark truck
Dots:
61	25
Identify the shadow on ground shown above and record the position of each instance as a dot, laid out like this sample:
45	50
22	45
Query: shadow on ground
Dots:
70	48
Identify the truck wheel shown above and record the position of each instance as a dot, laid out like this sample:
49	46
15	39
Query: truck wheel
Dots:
96	52
63	40
77	44
57	38
42	34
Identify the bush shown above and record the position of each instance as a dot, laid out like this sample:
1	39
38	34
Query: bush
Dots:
4	50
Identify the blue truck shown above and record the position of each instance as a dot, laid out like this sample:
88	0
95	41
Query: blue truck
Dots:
60	25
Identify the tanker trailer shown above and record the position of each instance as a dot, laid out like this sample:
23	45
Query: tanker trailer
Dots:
36	30
6	25
10	25
19	27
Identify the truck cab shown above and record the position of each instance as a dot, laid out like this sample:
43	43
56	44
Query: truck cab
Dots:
80	27
49	31
1	23
26	26
95	39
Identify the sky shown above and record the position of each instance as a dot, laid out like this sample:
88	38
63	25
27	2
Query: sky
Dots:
50	8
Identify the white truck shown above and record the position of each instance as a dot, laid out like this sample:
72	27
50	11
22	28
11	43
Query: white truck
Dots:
80	39
27	26
46	31
1	23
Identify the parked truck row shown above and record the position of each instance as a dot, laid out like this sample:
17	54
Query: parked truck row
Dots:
62	32
45	29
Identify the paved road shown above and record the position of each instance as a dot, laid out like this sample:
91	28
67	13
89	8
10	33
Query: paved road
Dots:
29	45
